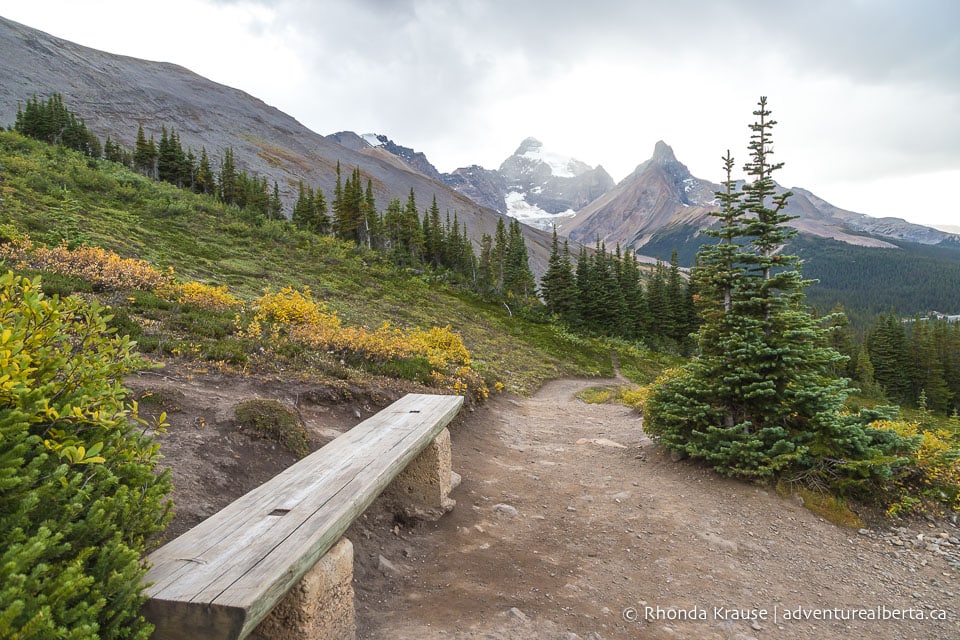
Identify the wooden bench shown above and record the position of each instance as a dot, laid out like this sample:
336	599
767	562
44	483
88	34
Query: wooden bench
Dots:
224	576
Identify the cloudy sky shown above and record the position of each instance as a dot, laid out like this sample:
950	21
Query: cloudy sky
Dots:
867	92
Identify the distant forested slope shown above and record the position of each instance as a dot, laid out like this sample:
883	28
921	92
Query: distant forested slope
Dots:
913	279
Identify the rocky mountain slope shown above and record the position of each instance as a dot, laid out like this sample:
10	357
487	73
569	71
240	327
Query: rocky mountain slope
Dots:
661	198
114	94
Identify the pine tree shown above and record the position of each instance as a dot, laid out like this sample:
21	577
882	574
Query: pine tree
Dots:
499	256
518	279
762	398
635	311
558	285
205	181
373	231
227	185
275	210
887	348
486	268
145	154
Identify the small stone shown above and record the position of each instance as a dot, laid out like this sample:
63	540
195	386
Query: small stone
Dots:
864	532
755	626
386	567
505	509
517	614
571	509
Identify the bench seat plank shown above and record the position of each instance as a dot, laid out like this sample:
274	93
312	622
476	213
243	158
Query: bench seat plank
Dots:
221	578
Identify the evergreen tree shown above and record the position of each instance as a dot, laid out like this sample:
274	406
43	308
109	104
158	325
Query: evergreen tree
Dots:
518	280
635	321
926	368
434	234
762	399
205	181
393	230
275	210
412	231
227	185
145	154
373	230
486	267
499	256
558	285
51	121
887	348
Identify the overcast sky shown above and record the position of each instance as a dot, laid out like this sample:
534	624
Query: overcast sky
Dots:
867	92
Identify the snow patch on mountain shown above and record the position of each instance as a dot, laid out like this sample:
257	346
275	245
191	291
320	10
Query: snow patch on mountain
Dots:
560	166
374	139
532	215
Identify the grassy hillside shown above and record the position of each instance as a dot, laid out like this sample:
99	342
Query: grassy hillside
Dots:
56	196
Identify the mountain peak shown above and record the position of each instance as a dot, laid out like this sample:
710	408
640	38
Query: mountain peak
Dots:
528	145
663	153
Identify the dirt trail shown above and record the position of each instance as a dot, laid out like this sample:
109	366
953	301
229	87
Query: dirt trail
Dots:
570	522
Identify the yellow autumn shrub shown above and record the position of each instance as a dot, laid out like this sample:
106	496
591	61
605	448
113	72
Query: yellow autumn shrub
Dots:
203	296
934	464
102	268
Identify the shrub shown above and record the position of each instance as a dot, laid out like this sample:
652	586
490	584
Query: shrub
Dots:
272	421
295	316
932	472
103	269
79	498
199	295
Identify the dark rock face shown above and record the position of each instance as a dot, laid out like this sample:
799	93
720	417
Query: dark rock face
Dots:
416	159
486	187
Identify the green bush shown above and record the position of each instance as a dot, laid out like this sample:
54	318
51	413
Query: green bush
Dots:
79	498
272	421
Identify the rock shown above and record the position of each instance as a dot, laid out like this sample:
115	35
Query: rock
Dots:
505	509
386	567
517	614
603	442
864	532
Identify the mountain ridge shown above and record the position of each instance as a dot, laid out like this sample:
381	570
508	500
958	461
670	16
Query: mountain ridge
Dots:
114	94
661	196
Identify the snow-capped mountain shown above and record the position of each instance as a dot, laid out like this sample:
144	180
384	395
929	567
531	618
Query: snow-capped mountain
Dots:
544	187
534	185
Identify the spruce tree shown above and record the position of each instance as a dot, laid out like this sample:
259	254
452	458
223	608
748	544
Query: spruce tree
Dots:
518	280
228	184
762	398
558	285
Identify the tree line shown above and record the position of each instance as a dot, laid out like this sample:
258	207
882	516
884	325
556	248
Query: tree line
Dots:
604	294
913	362
409	237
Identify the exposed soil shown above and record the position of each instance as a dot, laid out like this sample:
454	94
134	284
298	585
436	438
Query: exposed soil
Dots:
570	522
